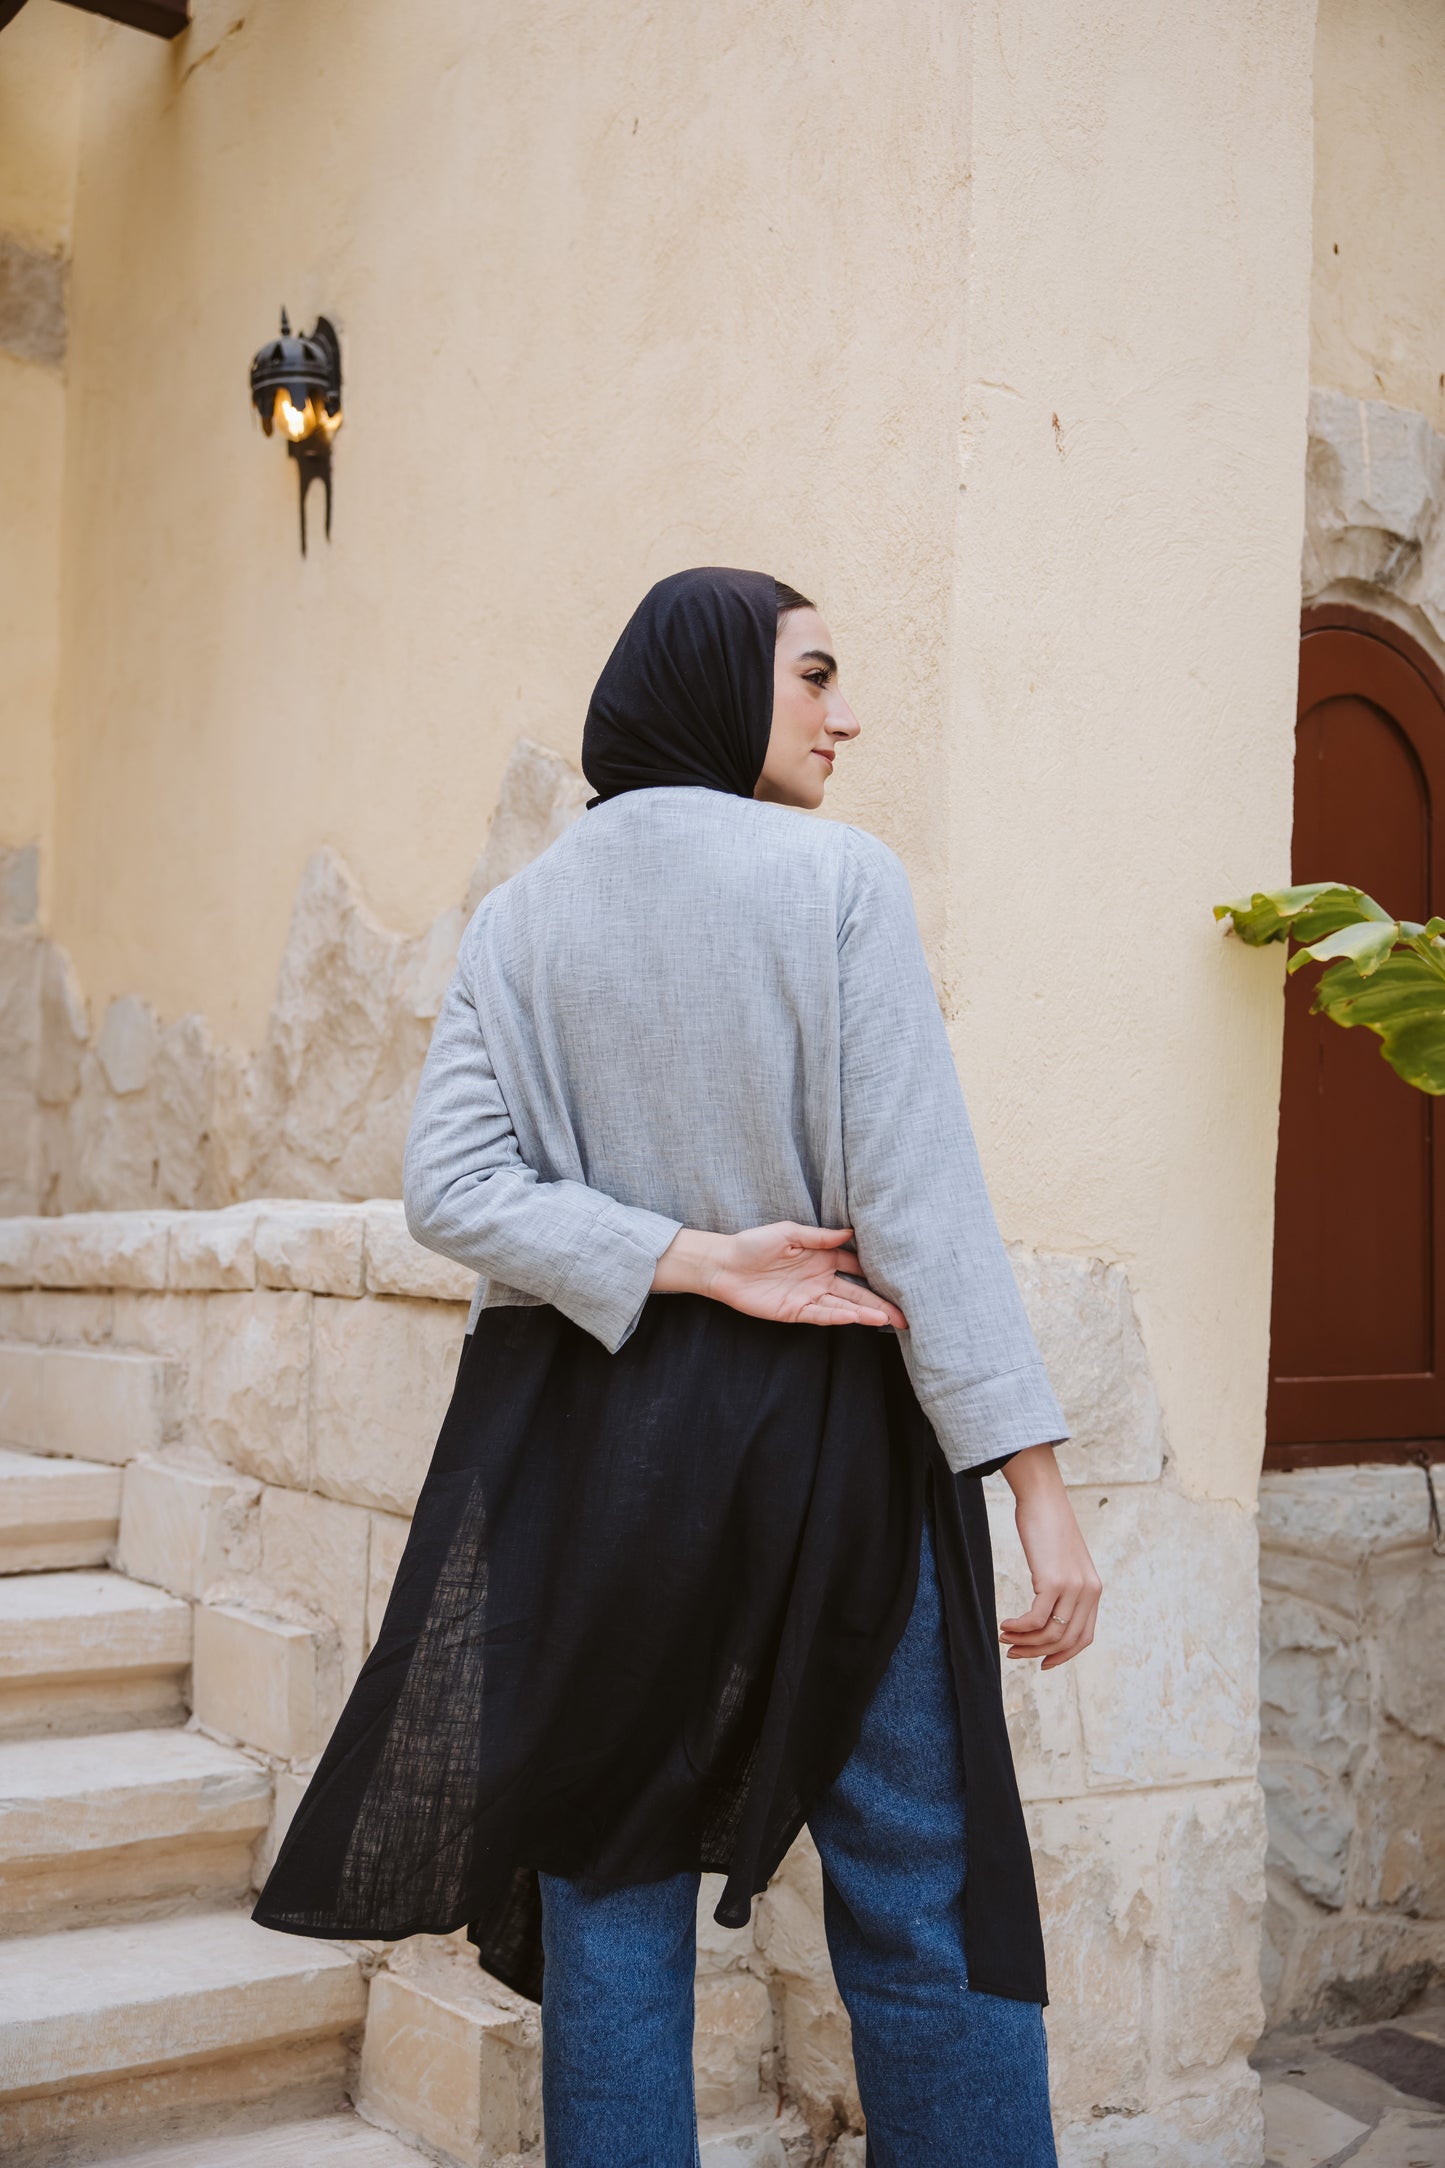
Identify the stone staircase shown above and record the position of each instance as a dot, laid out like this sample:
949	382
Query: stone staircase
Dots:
158	1705
136	1996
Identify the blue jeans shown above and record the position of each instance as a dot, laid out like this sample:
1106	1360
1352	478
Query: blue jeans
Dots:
948	2077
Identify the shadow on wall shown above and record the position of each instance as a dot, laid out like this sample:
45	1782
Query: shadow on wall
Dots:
151	1114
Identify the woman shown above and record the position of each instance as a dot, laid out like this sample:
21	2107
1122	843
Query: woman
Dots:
688	1571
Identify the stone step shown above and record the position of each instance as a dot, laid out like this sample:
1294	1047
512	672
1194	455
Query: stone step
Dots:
122	1821
97	1403
269	1682
452	2060
186	1524
323	2141
90	1652
55	1512
106	2032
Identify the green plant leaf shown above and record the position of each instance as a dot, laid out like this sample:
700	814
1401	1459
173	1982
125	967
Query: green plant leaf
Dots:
1384	974
1307	914
1403	1002
1365	945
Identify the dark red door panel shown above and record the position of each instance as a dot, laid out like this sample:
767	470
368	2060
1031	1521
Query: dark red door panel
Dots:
1357	1353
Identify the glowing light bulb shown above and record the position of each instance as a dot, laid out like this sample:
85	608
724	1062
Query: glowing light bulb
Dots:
294	422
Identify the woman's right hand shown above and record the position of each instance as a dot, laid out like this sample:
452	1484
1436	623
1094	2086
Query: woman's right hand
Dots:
786	1272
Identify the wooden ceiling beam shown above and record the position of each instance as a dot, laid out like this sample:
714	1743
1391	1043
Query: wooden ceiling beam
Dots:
162	18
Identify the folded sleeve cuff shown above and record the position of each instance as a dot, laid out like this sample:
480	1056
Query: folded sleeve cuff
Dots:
606	1286
981	1426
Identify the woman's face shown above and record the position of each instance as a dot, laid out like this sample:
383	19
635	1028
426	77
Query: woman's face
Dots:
811	718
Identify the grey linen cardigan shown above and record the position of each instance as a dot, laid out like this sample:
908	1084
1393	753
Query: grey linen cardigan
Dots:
700	1010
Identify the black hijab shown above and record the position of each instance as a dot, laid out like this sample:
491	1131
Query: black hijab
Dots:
687	693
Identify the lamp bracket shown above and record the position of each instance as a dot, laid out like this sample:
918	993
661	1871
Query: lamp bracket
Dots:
313	459
306	367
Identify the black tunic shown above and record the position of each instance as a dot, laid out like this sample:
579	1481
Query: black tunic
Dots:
644	1604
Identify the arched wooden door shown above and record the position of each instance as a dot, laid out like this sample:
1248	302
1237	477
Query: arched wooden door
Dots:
1357	1331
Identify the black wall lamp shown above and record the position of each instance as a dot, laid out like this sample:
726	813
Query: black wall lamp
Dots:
296	389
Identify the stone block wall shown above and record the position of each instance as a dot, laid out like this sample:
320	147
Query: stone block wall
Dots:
1375	511
1353	1741
277	1449
133	1112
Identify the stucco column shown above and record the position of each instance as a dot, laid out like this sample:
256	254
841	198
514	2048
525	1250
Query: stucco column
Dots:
1130	505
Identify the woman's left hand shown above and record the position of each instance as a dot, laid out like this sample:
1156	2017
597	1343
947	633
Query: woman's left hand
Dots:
786	1272
1067	1587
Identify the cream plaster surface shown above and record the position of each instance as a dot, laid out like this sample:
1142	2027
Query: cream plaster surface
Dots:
32	438
990	327
1377	319
617	291
40	112
41	85
1120	727
620	292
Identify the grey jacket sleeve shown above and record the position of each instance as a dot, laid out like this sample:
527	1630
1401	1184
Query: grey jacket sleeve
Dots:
469	1194
925	1232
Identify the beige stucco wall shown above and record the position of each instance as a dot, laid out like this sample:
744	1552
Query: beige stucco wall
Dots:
989	325
1378	310
1130	505
40	85
618	292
